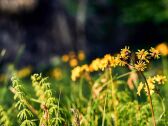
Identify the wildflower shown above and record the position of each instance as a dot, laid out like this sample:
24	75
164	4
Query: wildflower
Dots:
124	53
162	48
85	67
150	80
151	88
73	62
142	55
154	53
160	79
113	62
103	64
65	58
118	61
94	66
107	57
78	71
140	66
140	87
57	73
81	55
24	72
75	73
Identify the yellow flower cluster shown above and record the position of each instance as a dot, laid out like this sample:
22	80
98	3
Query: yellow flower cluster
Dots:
152	82
120	59
102	63
73	58
144	56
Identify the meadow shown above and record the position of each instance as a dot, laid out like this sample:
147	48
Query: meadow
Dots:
128	88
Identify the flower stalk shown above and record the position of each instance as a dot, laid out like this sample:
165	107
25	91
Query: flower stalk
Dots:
150	98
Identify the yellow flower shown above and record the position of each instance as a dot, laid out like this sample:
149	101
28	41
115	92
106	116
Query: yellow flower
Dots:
113	62
81	55
57	73
118	61
151	88
150	80
78	71
94	66
24	72
154	53
160	79
75	73
107	57
103	64
162	48
140	87
140	66
73	62
124	53
142	55
151	84
65	58
85	67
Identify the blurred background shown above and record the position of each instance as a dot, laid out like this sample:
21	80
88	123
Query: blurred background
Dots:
32	32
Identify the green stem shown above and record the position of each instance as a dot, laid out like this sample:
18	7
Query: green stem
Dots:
150	98
81	90
113	95
165	66
104	111
163	106
123	75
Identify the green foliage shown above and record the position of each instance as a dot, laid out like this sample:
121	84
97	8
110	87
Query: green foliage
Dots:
101	98
132	113
4	119
22	104
49	104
